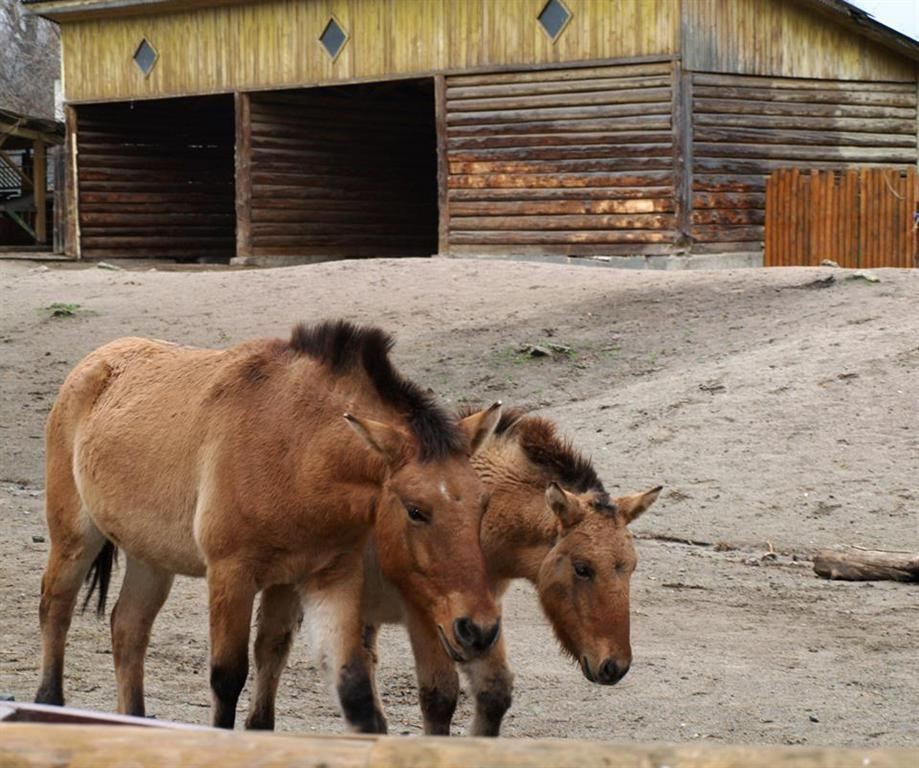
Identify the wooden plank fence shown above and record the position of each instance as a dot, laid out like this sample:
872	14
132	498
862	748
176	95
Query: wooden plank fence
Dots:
100	746
860	218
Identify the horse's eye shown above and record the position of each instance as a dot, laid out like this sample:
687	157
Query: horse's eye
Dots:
583	571
415	514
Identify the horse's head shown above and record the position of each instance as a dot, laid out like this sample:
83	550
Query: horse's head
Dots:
427	528
584	579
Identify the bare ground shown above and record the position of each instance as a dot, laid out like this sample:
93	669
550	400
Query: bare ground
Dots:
776	413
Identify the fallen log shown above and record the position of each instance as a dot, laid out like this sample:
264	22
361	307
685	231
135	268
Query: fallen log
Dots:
97	746
858	564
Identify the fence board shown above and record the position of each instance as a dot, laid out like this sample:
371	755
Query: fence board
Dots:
860	218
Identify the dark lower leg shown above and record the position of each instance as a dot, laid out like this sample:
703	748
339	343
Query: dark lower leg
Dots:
492	685
438	682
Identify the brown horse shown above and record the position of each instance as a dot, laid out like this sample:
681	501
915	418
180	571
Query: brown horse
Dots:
550	521
237	465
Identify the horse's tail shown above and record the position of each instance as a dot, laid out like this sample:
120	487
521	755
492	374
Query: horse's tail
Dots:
99	577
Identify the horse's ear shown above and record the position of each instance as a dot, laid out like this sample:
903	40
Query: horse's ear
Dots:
564	505
480	425
388	441
631	507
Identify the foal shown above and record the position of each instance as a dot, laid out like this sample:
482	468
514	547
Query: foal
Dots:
550	521
236	465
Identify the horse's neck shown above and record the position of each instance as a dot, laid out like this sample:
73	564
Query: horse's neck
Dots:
518	531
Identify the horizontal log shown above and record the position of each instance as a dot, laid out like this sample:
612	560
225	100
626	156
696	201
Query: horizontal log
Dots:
570	100
897	126
587	252
733	107
729	182
331	239
157	241
159	176
346	213
740	246
588	85
706	78
197	200
809	96
156	218
548	223
554	180
590	151
345	251
558	113
562	74
604	164
891	155
640	122
550	194
729	216
557	207
766	166
175	252
723	233
571	138
727	200
856	564
773	135
309	226
547	238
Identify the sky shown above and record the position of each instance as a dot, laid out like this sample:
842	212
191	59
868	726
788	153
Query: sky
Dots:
902	15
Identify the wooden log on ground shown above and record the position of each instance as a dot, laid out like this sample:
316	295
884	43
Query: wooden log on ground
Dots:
857	564
41	746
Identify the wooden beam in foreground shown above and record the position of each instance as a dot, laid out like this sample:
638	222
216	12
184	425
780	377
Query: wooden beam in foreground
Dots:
96	746
857	564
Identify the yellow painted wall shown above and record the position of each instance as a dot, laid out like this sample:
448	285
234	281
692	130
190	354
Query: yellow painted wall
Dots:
781	38
275	43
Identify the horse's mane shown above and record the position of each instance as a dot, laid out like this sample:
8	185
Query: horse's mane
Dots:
554	457
343	346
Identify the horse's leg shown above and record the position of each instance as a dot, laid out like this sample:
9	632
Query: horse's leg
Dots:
438	681
143	592
75	543
492	684
280	614
231	592
337	631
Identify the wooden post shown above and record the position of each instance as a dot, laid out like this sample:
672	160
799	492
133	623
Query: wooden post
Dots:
857	564
72	185
39	190
682	149
244	250
443	203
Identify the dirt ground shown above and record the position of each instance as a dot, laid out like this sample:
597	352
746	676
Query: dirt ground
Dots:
776	411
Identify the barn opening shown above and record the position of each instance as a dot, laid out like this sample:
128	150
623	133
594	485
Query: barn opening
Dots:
340	172
156	179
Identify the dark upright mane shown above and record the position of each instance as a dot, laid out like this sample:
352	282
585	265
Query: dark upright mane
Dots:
341	346
551	454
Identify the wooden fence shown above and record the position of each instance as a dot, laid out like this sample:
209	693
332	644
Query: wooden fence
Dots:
857	218
100	746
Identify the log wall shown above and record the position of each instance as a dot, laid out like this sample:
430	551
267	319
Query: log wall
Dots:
743	128
341	172
156	179
572	161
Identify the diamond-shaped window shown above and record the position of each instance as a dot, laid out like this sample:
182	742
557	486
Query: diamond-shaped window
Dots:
553	18
145	57
333	38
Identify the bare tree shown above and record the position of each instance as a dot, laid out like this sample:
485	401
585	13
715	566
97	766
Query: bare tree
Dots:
30	61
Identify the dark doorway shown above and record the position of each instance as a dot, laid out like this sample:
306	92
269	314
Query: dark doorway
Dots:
341	172
156	179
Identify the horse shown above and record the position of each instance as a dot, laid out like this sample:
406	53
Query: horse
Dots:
550	521
267	467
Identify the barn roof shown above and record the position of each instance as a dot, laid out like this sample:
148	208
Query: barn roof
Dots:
848	15
19	128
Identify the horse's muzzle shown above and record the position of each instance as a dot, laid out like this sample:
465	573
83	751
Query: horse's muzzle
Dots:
608	673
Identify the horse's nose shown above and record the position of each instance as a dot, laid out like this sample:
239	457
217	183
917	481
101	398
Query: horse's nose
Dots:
611	673
473	637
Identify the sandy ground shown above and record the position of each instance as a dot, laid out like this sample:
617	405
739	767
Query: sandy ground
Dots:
773	411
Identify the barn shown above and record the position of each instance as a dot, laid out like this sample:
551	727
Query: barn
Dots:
286	131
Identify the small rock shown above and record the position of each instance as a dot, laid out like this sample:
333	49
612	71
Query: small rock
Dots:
40	268
814	719
829	263
7	697
38	539
864	274
535	350
112	267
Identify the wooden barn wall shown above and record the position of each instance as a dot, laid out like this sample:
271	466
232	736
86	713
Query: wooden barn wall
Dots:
343	172
743	128
156	179
781	38
275	43
575	161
